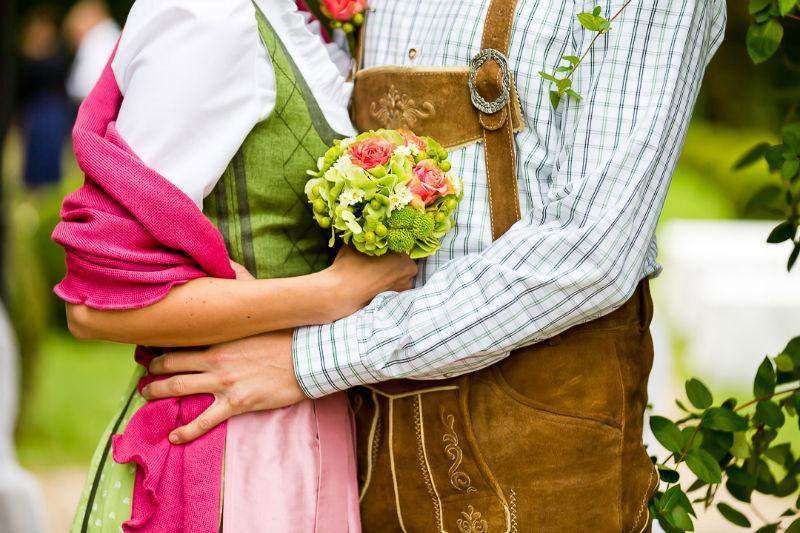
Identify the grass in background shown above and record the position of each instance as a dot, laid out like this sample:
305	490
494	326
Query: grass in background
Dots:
75	389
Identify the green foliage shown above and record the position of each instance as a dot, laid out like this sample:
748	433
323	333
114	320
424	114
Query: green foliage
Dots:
766	32
593	21
731	445
782	198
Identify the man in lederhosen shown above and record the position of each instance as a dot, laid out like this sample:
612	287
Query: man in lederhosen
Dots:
548	438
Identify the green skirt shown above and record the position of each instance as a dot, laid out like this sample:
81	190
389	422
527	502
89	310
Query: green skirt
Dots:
106	499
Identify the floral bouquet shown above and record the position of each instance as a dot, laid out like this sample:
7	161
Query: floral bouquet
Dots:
345	14
385	190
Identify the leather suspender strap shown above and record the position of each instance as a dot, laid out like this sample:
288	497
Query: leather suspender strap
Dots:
491	93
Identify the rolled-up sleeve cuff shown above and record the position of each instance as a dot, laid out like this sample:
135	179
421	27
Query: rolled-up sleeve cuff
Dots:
327	358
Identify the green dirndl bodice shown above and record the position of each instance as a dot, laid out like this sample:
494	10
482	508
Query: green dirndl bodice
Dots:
259	207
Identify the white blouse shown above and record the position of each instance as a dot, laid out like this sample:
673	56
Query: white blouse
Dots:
196	79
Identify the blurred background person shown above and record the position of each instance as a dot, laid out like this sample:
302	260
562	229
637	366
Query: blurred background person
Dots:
20	497
44	115
91	34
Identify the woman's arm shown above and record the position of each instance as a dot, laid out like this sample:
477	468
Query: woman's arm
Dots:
209	310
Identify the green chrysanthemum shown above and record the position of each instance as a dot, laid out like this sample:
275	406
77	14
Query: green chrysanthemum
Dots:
403	218
401	240
422	226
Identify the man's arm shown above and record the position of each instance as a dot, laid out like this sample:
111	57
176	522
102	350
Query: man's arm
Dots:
583	255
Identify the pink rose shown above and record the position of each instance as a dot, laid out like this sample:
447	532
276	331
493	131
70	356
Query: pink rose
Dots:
343	10
429	182
371	152
411	139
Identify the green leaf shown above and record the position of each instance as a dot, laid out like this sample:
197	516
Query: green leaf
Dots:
794	527
790	168
555	99
792	349
770	414
704	466
723	419
732	515
763	40
597	10
575	60
769	528
763	200
593	22
757	5
572	94
764	383
782	232
781	454
668	475
548	77
784	363
667	433
740	448
675	497
698	394
680	519
793	257
754	155
786	6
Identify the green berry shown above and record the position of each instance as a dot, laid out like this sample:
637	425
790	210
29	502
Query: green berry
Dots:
451	204
320	206
375	203
400	240
440	217
369	236
324	222
442	153
347	27
380	230
445	165
358	19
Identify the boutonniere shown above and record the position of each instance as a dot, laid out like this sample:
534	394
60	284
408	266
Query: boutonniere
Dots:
344	14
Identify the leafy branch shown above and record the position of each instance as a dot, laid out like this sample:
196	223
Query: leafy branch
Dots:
561	77
734	445
765	34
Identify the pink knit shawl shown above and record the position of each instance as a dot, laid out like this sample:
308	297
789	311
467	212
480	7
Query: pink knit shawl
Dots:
129	236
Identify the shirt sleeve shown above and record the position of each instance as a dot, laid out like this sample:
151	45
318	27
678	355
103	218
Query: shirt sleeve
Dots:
195	79
579	260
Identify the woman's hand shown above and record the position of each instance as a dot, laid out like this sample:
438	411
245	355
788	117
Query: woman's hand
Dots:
251	374
356	279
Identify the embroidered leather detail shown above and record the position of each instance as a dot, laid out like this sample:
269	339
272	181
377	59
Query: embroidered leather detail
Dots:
459	479
512	509
422	461
397	110
472	521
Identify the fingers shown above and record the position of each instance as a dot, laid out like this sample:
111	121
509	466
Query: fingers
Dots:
181	385
241	272
218	412
183	361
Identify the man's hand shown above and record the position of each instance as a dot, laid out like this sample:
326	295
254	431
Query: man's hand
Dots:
251	374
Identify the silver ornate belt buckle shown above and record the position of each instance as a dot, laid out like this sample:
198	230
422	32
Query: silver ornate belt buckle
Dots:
479	101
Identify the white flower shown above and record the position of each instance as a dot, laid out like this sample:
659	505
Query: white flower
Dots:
350	221
345	143
351	196
400	197
402	151
320	163
458	185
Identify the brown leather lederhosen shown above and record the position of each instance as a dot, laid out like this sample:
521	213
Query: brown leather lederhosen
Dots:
550	439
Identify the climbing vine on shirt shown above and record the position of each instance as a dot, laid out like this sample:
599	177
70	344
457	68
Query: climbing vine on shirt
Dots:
561	78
